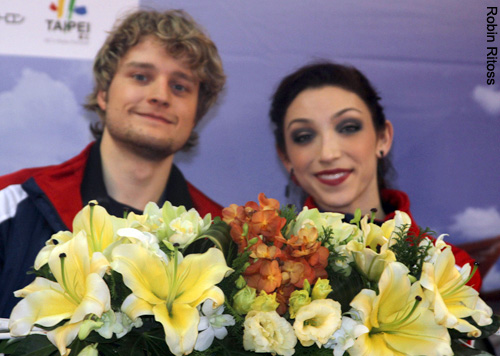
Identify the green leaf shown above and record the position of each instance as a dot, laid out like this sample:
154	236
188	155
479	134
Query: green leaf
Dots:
344	289
217	235
33	345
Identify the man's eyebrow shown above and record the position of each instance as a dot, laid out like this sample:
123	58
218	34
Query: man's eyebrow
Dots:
150	66
185	76
140	65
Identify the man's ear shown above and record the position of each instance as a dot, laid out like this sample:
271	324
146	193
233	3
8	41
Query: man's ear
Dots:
385	138
102	99
284	159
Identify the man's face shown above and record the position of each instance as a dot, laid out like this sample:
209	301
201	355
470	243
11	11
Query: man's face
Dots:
151	103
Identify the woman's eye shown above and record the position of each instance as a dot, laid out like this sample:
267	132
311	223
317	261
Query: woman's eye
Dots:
349	128
302	137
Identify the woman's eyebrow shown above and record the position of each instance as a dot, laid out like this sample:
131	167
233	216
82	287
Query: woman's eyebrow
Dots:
343	111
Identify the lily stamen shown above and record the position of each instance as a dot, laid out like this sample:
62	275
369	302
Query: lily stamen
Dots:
173	282
387	327
92	239
73	297
455	288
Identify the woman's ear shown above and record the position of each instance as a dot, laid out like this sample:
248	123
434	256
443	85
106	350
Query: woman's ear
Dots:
102	100
385	138
284	159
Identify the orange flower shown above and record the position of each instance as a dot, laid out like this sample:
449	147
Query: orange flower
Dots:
268	277
261	250
282	296
266	223
238	237
232	213
305	242
295	272
319	259
268	204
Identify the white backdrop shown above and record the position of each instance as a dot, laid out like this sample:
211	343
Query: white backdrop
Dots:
426	57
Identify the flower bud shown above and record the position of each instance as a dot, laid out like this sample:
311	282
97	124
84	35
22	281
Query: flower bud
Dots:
90	350
265	302
242	301
297	300
240	282
321	289
88	326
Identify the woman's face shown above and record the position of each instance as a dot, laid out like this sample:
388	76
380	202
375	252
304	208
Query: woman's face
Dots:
332	146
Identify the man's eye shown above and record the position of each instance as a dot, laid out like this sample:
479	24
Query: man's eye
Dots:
179	87
140	77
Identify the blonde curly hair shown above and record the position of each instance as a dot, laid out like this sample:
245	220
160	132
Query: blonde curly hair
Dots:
183	39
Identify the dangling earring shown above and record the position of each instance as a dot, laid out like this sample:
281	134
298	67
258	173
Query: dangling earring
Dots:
290	184
294	194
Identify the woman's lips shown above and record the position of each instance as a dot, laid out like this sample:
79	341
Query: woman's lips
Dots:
333	177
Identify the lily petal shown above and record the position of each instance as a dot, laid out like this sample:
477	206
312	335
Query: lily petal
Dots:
63	336
44	307
141	272
180	325
134	307
97	224
202	271
96	300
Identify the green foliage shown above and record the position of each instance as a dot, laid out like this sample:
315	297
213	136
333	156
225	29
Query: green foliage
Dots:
289	212
408	251
344	288
33	345
217	235
44	272
117	289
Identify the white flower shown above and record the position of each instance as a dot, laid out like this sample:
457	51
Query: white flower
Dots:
212	324
435	248
187	227
118	323
344	337
146	239
317	322
268	332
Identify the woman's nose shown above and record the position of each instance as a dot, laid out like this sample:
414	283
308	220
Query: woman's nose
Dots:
330	150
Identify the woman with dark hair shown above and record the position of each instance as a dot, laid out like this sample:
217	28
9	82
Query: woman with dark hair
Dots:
334	140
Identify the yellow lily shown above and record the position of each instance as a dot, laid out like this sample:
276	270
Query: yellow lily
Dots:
79	291
399	323
43	256
371	252
170	290
401	223
97	224
451	299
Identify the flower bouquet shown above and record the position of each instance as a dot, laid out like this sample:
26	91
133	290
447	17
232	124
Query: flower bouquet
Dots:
293	284
121	286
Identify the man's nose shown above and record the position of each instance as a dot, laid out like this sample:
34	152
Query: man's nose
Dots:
160	93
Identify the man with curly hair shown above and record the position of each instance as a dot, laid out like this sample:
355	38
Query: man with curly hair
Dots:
156	76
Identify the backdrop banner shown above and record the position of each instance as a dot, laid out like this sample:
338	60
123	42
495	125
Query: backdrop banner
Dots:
58	28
